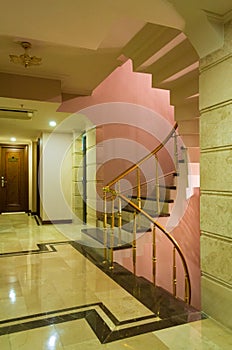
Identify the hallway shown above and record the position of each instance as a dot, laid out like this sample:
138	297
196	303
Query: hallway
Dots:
52	297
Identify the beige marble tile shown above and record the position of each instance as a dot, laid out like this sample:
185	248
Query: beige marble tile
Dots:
186	337
216	301
216	257
87	345
216	127
11	308
214	331
10	290
216	171
215	84
9	246
122	304
5	342
76	296
74	332
216	213
36	339
141	342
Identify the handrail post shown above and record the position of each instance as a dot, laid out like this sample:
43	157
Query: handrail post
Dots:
174	272
139	192
119	215
176	162
157	185
112	235
154	258
134	244
105	226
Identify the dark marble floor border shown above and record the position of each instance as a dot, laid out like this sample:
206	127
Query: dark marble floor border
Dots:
171	310
42	248
95	321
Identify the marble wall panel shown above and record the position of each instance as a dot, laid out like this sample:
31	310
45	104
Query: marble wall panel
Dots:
216	257
216	301
78	202
216	214
215	84
216	127
216	170
77	159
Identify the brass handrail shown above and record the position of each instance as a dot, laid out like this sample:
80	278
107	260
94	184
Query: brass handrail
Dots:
149	181
138	209
174	242
152	153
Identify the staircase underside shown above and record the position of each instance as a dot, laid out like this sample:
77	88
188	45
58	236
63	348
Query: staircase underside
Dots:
167	310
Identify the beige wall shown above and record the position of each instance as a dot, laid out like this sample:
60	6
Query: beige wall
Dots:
55	177
216	181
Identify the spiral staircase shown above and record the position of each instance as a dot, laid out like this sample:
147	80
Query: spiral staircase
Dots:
130	215
136	217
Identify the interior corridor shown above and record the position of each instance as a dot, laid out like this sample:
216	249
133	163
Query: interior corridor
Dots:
53	297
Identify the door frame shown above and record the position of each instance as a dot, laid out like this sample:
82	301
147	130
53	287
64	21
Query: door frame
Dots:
26	170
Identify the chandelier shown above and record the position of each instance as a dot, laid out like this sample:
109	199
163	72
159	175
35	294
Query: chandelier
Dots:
25	59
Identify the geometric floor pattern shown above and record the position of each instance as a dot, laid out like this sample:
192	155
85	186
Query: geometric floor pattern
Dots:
53	297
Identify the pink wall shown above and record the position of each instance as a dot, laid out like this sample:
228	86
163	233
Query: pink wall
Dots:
130	117
123	85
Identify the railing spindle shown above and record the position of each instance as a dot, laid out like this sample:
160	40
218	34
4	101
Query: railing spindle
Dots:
112	235
157	186
134	243
119	212
105	227
154	258
176	161
139	192
174	272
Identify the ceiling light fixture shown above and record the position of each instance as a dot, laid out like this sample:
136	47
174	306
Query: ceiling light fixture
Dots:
13	139
52	123
25	59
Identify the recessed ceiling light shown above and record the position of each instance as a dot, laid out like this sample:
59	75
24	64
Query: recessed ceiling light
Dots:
13	139
52	123
30	114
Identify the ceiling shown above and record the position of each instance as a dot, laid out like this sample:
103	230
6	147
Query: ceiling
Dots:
82	41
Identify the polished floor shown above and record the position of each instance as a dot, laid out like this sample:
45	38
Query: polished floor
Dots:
53	297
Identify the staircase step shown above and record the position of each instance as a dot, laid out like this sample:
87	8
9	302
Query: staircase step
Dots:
130	209
98	235
165	200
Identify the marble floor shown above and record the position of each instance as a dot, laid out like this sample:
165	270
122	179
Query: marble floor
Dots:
53	297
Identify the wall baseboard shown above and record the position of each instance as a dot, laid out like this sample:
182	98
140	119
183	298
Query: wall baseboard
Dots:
51	222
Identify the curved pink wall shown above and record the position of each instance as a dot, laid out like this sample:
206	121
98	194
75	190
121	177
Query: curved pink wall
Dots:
123	85
127	87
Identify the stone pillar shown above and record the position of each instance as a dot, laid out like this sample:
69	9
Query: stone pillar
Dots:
77	174
91	181
216	181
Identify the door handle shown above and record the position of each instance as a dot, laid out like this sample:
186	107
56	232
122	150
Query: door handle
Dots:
3	181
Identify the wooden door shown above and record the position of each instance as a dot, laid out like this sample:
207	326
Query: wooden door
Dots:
13	178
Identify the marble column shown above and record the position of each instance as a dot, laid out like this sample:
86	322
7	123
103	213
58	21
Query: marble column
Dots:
77	175
216	180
